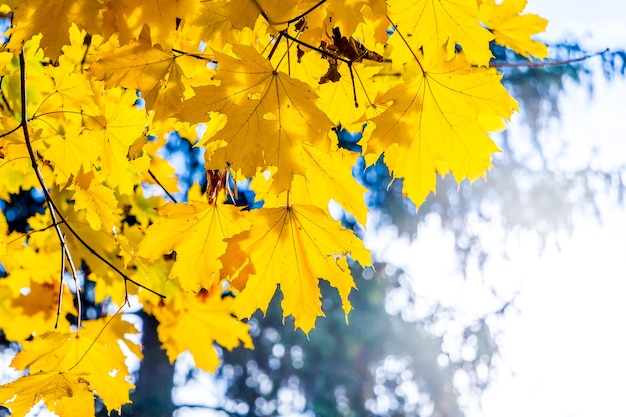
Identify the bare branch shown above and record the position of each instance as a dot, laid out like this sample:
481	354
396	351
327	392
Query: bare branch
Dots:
543	64
161	185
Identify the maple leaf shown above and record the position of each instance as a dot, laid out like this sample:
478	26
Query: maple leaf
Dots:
349	14
206	317
71	92
270	115
71	152
328	175
293	247
156	73
114	130
434	124
53	19
215	23
196	232
513	30
95	353
66	393
432	24
337	99
98	201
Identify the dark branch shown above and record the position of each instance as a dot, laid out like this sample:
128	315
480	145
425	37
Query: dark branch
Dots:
161	185
54	210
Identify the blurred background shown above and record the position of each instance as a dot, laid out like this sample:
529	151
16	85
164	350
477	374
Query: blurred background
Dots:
499	298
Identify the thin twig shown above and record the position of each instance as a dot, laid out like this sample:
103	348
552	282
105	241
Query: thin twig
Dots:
60	299
197	56
280	35
162	187
15	129
529	64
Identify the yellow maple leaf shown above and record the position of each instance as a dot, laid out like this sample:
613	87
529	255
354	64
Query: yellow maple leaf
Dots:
214	23
160	16
512	29
434	124
53	20
196	232
97	200
114	130
432	24
337	99
150	69
26	264
293	247
71	152
71	92
66	393
186	319
95	352
270	115
347	15
328	175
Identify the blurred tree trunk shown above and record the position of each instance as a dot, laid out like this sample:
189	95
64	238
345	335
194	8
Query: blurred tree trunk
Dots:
153	394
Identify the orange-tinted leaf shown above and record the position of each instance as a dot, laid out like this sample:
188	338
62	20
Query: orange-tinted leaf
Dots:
196	232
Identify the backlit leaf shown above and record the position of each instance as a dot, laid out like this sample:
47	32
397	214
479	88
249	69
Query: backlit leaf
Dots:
293	247
512	29
433	124
196	232
196	322
66	393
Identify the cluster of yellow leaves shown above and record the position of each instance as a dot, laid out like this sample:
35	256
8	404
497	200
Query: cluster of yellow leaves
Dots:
268	83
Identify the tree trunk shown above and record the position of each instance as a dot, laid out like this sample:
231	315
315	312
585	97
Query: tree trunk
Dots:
153	395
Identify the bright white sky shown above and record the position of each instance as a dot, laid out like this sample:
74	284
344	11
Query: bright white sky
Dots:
565	351
567	348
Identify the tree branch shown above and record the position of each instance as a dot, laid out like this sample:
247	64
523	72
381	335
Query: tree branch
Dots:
51	207
161	185
542	64
54	210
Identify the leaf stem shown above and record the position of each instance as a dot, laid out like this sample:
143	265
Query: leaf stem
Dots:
396	30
